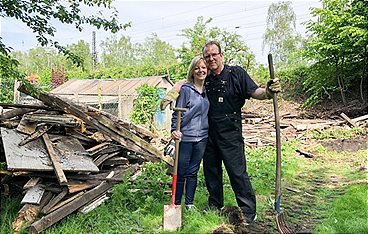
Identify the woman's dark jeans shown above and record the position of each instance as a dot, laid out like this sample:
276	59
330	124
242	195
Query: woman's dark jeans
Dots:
190	157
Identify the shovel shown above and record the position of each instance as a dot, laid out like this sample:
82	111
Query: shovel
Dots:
172	212
281	217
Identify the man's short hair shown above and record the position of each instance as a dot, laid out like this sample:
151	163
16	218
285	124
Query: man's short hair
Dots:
212	43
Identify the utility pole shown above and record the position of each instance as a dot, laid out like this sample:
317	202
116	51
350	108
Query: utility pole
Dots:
94	53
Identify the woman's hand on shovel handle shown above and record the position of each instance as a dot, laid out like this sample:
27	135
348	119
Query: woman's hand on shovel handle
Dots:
176	135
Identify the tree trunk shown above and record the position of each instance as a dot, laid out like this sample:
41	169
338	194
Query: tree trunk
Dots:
340	80
364	75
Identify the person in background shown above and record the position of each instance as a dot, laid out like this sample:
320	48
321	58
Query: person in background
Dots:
193	134
227	88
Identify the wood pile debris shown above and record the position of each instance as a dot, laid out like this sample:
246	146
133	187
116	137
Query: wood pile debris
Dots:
65	157
259	130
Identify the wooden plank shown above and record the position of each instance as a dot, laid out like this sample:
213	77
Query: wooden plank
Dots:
54	217
110	148
125	133
15	112
54	201
25	106
55	161
137	129
63	203
99	160
348	119
305	154
34	156
52	119
77	186
26	127
35	135
98	147
31	182
116	161
27	213
34	195
94	204
360	118
95	177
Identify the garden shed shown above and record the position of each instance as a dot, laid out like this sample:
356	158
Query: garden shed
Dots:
115	96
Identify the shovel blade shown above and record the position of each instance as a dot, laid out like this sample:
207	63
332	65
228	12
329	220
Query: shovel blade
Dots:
172	217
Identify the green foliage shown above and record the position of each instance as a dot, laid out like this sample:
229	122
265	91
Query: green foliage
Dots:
337	133
292	81
236	51
261	74
9	72
117	52
9	208
82	50
123	59
38	16
2	165
338	48
146	189
146	105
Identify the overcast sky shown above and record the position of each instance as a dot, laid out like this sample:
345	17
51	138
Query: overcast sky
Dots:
167	19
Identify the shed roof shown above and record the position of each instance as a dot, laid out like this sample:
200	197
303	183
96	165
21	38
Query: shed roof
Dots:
108	87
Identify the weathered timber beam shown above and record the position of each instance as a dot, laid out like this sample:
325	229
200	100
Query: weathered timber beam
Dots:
127	134
27	106
143	132
34	136
55	162
52	119
54	201
16	112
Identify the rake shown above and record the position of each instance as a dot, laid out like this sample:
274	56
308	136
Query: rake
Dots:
281	216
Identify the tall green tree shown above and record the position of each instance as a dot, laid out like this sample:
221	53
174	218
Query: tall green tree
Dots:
236	50
82	50
118	51
338	44
281	37
38	16
156	56
123	59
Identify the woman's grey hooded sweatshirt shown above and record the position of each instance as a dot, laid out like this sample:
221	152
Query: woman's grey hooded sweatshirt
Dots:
194	122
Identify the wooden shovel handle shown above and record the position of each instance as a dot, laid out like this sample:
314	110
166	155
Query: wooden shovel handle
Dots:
278	139
173	188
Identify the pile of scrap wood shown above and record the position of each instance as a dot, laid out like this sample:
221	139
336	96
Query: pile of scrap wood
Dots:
65	157
259	130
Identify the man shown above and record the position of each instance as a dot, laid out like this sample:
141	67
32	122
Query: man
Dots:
227	88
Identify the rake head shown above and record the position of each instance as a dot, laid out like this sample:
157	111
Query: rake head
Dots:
282	225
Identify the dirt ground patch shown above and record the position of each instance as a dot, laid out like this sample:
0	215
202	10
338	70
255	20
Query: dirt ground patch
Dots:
349	145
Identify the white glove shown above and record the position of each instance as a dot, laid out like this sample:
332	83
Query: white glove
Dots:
170	149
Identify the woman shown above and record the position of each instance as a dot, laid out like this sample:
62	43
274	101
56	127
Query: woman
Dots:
194	130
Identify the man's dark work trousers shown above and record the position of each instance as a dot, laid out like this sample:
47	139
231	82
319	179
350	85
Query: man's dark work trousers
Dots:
226	144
